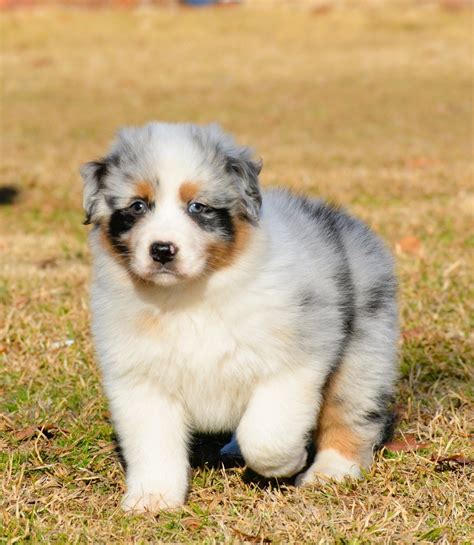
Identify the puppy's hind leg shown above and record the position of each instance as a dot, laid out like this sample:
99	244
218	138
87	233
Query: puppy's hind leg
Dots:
355	416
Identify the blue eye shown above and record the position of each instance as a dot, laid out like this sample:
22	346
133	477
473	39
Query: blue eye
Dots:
197	208
138	208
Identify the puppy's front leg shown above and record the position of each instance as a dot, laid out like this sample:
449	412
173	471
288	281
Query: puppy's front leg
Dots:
153	437
273	432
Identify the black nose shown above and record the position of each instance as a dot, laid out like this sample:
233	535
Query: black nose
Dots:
163	252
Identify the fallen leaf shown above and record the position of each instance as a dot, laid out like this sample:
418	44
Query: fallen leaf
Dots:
400	411
451	463
20	302
214	504
321	9
455	5
414	333
421	162
47	263
25	433
41	62
409	245
107	448
31	431
6	423
191	523
404	444
249	538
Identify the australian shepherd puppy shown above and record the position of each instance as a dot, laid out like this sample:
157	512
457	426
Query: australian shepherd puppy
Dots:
221	307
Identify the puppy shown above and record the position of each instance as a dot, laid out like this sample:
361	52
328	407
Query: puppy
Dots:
219	307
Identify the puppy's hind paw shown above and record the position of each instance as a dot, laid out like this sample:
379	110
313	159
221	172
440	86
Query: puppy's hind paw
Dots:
329	465
148	502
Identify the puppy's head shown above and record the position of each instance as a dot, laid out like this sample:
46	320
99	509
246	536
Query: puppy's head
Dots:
173	202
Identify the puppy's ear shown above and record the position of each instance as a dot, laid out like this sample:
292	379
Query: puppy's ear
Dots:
93	174
245	171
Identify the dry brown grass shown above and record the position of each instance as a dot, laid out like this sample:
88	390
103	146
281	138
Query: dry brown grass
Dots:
370	108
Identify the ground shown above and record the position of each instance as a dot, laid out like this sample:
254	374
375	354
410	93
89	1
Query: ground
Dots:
370	108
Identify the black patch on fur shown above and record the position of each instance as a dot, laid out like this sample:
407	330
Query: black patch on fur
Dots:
101	171
216	220
383	415
375	416
111	202
120	222
247	171
325	216
114	160
388	428
379	295
346	303
329	217
382	404
119	450
346	306
330	220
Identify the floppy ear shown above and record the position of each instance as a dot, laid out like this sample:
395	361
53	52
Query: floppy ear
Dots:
245	171
93	174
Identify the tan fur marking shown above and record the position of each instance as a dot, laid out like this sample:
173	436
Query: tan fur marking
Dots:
108	246
121	259
148	323
332	430
223	254
188	191
145	190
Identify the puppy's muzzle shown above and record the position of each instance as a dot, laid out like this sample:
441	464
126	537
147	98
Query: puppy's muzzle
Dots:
163	252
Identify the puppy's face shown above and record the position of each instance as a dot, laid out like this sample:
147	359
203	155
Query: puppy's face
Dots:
173	202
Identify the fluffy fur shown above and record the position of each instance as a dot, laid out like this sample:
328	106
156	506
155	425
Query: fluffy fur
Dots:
271	315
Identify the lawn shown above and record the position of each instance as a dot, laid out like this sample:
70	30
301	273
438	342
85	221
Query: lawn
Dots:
370	108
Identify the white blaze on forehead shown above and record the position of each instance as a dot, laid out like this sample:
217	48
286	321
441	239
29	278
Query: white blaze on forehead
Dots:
174	159
168	220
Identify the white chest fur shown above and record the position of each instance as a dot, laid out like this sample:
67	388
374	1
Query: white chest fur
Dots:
210	354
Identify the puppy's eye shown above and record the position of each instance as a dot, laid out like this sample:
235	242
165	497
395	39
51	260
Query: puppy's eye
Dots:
197	208
138	208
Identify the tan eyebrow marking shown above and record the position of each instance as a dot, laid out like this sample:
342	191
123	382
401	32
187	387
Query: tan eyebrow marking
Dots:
145	190
188	191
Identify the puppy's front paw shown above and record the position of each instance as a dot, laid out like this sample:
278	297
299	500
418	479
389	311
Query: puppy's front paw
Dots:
270	463
148	502
329	465
289	467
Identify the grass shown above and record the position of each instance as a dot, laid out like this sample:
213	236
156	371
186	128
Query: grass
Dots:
370	108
